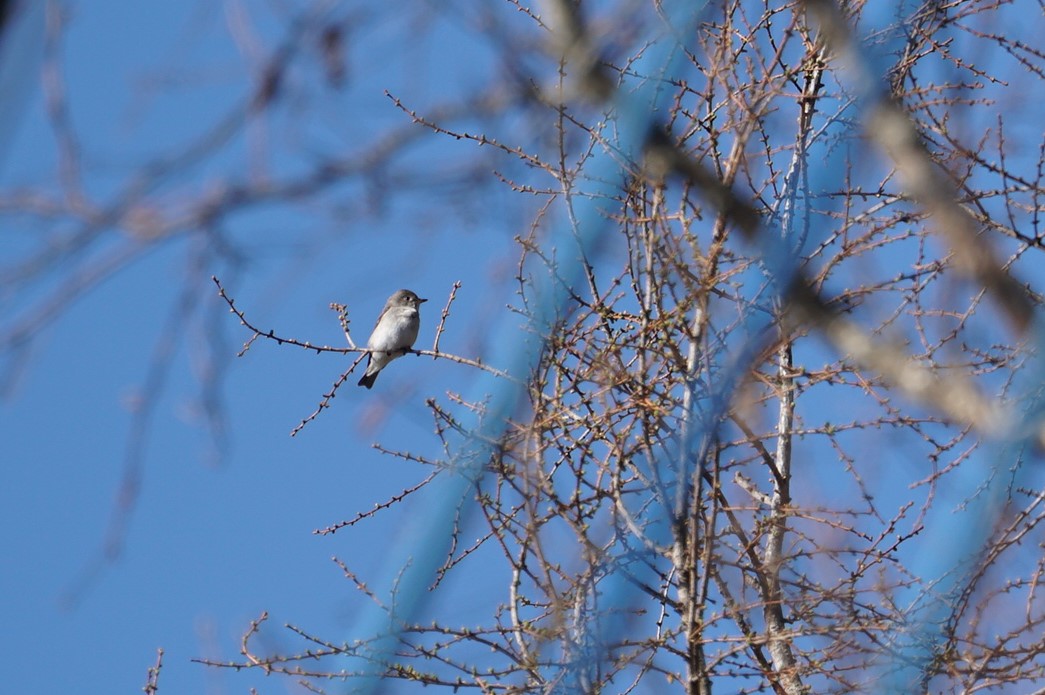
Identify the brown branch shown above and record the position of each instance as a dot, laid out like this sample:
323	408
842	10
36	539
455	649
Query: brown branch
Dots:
444	314
898	136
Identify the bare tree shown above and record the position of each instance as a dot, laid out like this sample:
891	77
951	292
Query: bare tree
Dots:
771	428
766	379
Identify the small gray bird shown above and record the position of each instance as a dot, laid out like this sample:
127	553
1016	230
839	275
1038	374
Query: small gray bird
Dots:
394	333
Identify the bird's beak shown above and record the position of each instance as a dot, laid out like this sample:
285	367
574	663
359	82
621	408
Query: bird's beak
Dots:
421	301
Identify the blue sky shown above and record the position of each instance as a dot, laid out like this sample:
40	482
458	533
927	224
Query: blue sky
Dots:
214	540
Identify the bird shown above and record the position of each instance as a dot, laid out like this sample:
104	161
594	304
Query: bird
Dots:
394	333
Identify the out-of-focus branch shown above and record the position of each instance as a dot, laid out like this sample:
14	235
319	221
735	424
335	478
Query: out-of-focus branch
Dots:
144	408
88	241
955	396
894	131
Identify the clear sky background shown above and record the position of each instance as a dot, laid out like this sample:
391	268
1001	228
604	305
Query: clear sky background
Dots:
221	528
216	537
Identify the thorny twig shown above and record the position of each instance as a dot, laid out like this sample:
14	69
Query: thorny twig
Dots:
343	320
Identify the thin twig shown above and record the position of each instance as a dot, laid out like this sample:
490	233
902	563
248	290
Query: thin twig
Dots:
446	312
